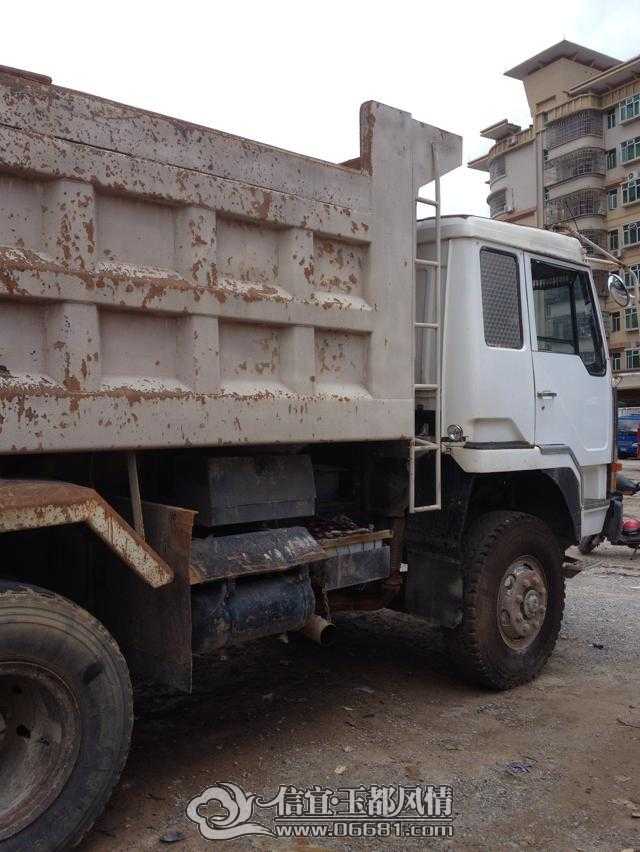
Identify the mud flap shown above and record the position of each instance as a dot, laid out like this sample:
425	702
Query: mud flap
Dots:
153	626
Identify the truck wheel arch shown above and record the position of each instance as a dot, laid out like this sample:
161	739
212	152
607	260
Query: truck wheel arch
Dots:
435	541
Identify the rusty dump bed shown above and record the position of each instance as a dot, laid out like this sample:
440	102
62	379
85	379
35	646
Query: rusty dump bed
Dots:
163	284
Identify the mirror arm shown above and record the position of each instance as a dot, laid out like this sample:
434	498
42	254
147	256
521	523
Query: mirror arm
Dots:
616	260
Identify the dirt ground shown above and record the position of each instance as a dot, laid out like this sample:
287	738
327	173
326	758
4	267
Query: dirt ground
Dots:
554	765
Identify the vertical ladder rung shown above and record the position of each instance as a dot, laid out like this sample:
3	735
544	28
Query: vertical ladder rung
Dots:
420	446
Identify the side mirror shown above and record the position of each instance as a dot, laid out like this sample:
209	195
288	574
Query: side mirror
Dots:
618	291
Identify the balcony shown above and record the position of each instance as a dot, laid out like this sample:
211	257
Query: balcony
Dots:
585	202
586	122
497	169
597	237
497	202
580	163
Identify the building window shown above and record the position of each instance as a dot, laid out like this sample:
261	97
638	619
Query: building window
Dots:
612	199
630	191
615	321
616	361
630	319
497	168
612	240
633	359
611	118
630	150
628	277
566	316
630	108
586	122
497	202
631	233
500	285
611	158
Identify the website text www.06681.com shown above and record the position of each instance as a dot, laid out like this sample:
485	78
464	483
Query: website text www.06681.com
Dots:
226	811
395	829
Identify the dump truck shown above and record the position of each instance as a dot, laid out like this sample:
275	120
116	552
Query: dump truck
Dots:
243	390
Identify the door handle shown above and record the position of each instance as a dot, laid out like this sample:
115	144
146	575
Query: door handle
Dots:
546	394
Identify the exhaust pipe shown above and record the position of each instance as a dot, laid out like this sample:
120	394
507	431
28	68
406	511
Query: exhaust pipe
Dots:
319	630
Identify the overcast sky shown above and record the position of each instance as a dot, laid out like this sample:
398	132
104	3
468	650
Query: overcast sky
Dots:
293	74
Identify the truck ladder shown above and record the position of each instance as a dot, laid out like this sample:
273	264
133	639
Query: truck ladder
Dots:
420	446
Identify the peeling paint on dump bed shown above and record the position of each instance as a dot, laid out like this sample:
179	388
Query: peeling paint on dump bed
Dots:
163	284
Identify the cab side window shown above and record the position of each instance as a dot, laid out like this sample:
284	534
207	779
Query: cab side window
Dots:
501	312
566	316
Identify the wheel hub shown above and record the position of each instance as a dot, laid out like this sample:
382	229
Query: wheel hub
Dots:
40	733
522	602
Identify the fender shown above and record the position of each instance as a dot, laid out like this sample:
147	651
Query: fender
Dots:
33	504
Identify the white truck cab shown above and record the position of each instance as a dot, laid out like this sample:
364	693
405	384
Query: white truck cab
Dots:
526	380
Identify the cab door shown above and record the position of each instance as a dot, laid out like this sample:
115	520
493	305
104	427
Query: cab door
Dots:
572	380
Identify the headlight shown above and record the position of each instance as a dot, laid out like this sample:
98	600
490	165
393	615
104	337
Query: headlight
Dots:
455	433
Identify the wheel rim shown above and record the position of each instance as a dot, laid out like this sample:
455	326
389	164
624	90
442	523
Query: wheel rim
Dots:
522	602
39	741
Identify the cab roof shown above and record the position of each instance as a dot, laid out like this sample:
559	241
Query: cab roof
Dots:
534	240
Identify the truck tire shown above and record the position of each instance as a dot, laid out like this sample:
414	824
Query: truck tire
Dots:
588	545
513	600
66	714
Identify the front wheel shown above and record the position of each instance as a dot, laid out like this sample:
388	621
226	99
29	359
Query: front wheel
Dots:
65	719
513	600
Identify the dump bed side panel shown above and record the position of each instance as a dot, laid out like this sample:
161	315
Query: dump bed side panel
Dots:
162	284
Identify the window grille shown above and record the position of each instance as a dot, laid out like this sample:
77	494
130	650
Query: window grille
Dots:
630	149
497	168
630	319
500	285
596	236
628	277
630	108
586	161
631	191
584	202
497	203
586	122
631	233
633	359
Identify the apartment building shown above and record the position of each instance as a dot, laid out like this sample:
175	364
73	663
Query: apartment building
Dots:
578	163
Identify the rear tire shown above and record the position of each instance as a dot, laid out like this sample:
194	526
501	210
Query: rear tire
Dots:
513	600
66	714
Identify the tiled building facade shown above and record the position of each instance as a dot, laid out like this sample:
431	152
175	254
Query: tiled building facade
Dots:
577	164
